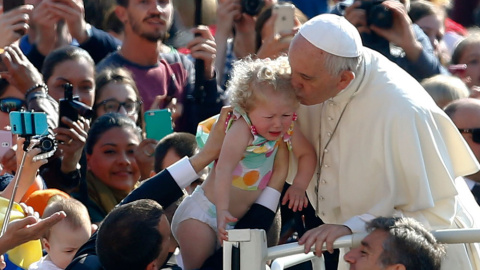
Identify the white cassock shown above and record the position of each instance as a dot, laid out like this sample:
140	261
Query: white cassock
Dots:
394	153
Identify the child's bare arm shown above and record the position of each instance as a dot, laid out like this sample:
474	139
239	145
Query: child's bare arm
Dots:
212	147
307	160
234	145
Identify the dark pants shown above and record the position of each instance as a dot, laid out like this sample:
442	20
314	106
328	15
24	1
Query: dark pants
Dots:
301	225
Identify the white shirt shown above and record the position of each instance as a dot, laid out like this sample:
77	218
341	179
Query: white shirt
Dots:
394	152
43	264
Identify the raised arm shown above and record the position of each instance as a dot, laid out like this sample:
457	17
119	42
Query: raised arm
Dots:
233	148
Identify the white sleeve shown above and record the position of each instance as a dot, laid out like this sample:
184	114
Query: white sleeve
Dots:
182	172
269	198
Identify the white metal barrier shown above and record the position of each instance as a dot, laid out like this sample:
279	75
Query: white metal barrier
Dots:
253	254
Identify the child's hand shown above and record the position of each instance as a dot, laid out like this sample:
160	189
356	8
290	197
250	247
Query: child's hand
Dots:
223	218
296	196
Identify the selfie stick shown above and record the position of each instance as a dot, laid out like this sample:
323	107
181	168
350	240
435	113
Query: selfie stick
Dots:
6	220
26	148
199	92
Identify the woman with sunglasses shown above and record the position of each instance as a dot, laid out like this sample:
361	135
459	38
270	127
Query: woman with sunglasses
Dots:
11	99
116	92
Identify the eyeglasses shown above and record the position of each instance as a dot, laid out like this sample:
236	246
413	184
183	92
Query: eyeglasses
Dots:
113	105
475	133
11	104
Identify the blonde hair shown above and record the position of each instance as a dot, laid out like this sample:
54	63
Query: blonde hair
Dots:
77	213
445	88
251	76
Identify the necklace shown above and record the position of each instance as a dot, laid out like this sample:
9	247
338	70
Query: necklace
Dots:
324	150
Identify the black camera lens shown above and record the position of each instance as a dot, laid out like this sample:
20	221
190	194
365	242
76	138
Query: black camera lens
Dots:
252	7
46	144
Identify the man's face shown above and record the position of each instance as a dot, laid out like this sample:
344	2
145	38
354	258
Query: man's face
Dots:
367	255
164	229
312	83
149	19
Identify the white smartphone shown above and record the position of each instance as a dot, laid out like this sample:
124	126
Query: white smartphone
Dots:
285	18
5	142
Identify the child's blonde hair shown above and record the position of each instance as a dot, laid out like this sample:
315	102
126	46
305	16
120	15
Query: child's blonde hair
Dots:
77	213
251	76
445	89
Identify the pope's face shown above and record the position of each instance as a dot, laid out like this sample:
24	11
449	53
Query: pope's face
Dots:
312	83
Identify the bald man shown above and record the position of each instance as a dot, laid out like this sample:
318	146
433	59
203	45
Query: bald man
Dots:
465	114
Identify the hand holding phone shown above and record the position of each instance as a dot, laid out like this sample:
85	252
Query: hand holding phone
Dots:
13	4
285	20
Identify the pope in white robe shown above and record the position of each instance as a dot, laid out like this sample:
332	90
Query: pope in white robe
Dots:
384	147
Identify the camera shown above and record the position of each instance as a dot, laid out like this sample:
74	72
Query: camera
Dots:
34	125
377	14
252	7
71	107
46	143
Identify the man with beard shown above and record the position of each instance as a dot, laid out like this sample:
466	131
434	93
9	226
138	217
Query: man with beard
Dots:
164	77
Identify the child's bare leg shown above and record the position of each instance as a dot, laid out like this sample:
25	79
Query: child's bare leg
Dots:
197	242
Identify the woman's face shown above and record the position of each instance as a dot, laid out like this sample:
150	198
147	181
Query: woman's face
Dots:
10	92
434	28
471	57
121	93
112	159
80	73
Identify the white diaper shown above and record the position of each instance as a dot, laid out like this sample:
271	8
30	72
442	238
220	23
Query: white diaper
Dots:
195	206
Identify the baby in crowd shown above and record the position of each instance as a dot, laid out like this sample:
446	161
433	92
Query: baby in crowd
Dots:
64	239
264	105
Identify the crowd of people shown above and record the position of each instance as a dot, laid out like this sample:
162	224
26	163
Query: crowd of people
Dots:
345	123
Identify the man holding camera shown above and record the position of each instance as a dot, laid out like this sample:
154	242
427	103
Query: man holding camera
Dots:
162	75
402	41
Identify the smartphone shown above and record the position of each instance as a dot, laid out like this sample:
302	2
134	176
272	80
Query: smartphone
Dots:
285	20
28	123
12	4
5	141
158	123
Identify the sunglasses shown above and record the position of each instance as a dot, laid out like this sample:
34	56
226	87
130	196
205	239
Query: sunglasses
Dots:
11	104
113	105
475	133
